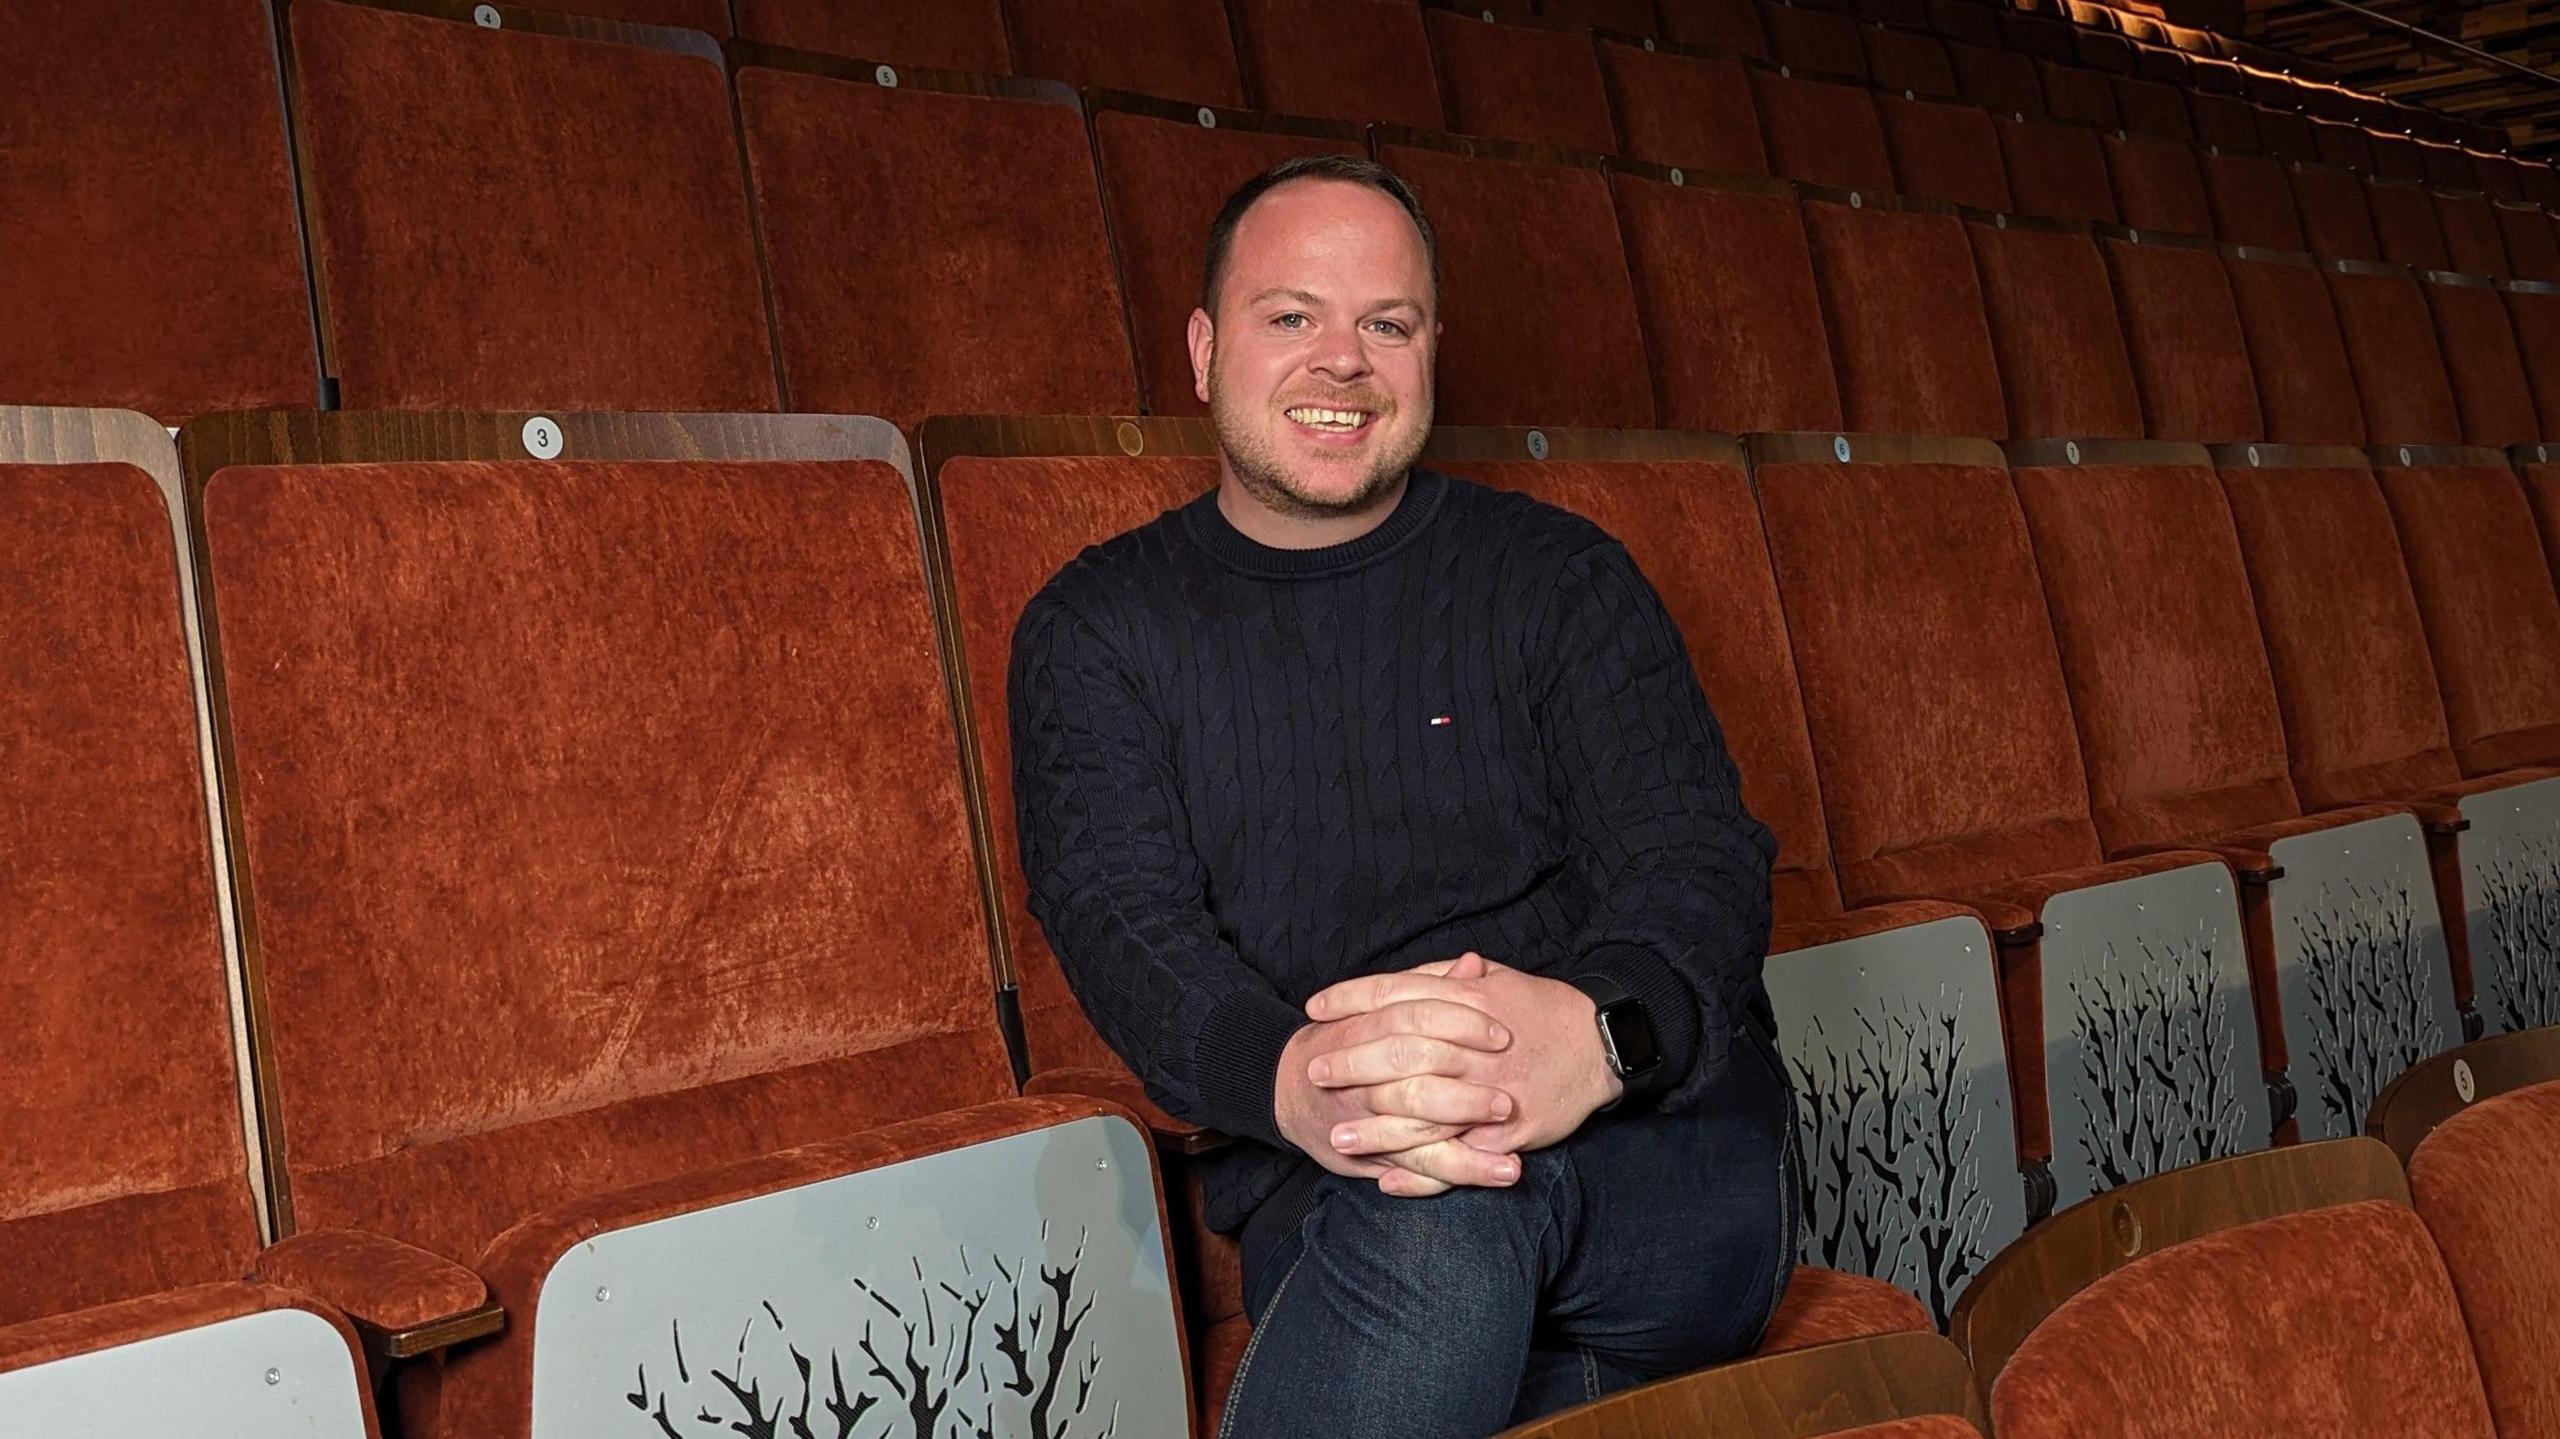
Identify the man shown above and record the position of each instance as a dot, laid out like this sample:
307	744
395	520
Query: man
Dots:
1379	821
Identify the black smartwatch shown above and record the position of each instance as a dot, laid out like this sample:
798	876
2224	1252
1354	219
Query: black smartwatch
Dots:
1626	1030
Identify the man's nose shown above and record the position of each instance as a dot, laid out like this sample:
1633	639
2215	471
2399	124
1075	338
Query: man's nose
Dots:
1341	356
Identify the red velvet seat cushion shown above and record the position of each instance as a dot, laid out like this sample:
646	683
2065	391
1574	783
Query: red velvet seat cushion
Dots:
653	796
1695	533
1825	1306
1945	152
1932	686
2056	171
2483	1182
1731	317
2486	366
1009	524
2054	327
2492	618
1162	184
1521	82
1928	1426
1822	133
942	34
1356	61
2335	1321
2168	677
490	235
2391	342
121	1111
2345	642
1171	49
1907	330
1684	110
2306	388
2182	330
1540	314
127	128
979	279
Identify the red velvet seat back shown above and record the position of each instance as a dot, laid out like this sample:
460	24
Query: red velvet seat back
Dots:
979	277
1904	62
2182	331
2353	675
2054	327
1355	61
1687	110
491	232
1814	41
2471	238
2286	135
2306	388
1822	132
2524	230
2533	314
1730	27
1694	531
121	1110
1539	312
1944	152
2404	221
600	822
1905	315
1171	49
1524	83
2481	355
2252	204
942	34
1932	686
2168	677
1008	525
2346	146
2157	185
128	128
1732	320
1163	180
2078	95
2224	121
1999	80
2246	1332
2056	172
2151	107
2335	219
2483	1182
2391	343
2484	590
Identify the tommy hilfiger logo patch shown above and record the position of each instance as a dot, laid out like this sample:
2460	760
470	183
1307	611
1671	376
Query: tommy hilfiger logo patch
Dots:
1439	720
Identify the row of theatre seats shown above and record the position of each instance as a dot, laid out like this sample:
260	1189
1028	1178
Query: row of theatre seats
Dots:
568	212
614	853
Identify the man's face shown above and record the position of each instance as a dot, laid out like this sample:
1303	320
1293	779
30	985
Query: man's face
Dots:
1317	364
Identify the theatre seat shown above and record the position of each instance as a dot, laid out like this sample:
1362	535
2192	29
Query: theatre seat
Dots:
2306	387
1902	1386
486	233
942	34
2077	95
2223	121
2335	219
2483	1182
1355	61
1726	27
2483	359
1684	108
2215	1302
1169	49
1812	40
2182	331
2157	184
1822	132
1164	176
2405	222
2153	107
1999	80
975	193
127	128
2252	204
2054	328
241	1361
2391	342
1534	290
1945	152
2056	171
1904	311
1721	271
1521	81
2524	231
746	1000
2471	236
1907	63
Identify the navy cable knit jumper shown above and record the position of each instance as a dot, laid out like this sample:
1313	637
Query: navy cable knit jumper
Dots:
1244	773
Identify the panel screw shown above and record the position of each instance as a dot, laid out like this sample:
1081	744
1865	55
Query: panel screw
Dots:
603	1295
274	1377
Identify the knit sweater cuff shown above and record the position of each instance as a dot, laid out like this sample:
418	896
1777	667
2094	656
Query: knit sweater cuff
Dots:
1237	1054
1668	1003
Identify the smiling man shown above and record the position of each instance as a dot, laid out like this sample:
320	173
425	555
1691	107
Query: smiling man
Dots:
1379	821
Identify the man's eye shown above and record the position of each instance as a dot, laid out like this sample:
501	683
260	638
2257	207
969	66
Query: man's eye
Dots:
1290	321
1389	327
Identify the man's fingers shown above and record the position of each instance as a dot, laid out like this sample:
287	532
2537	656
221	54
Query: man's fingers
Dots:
1438	1099
1405	1184
1461	1024
1389	1134
1381	1061
1453	1163
1377	991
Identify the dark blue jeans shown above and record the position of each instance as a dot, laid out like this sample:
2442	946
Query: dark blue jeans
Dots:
1644	1245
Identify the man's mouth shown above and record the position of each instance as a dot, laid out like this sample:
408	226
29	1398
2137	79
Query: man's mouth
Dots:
1329	421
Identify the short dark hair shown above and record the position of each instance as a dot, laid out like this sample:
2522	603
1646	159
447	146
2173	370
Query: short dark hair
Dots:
1350	169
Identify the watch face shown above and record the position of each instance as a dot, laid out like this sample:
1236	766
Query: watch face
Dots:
1630	1033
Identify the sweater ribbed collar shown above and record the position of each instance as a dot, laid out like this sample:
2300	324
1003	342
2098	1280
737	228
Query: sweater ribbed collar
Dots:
1212	531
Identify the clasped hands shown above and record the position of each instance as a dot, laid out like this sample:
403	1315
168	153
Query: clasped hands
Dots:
1441	1075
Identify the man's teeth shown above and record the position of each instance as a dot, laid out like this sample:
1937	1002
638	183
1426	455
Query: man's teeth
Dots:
1329	419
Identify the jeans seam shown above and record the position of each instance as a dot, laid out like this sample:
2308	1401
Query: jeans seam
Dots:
1235	1385
1590	1376
1788	1224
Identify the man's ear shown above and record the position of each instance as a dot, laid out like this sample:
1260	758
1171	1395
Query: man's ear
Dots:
1204	343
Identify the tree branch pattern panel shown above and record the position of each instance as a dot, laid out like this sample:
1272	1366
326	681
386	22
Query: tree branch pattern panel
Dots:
2360	963
275	1374
1902	1097
2511	888
2151	1045
1014	1289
